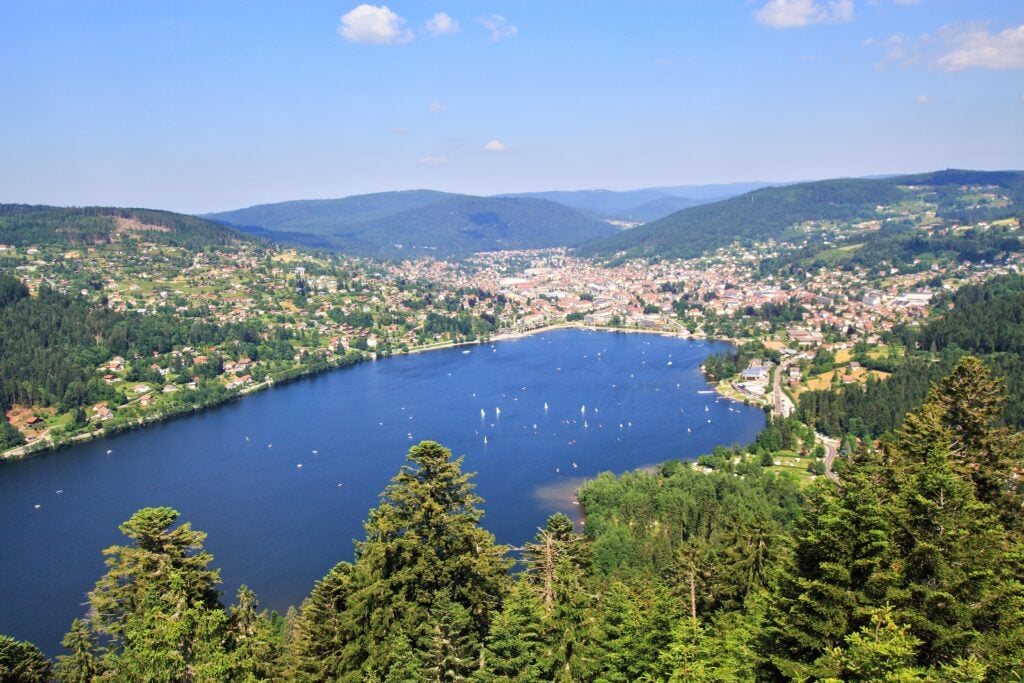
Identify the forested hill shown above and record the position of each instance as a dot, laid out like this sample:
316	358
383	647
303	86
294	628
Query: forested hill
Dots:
327	216
22	224
421	223
781	212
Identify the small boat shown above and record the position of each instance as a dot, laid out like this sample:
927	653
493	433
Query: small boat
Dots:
545	406
669	363
60	491
109	451
315	451
38	506
485	440
299	466
466	352
497	411
482	414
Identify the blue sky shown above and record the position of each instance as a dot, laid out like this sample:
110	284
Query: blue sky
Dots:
212	104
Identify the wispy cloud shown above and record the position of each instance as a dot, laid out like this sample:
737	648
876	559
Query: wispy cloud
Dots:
436	107
374	25
798	13
495	146
955	47
499	27
923	99
442	25
973	47
433	161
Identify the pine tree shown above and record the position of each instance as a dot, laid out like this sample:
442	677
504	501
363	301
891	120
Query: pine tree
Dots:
321	632
255	650
427	570
515	640
22	662
82	665
156	610
840	570
956	579
972	404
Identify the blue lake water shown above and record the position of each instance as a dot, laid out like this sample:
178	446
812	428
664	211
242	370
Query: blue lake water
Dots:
614	402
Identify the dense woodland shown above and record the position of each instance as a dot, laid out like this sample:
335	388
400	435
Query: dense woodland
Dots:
23	224
985	320
53	343
907	569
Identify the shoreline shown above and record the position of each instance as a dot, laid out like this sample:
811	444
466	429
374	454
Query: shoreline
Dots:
36	448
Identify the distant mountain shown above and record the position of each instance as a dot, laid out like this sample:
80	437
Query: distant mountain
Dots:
772	212
23	224
659	208
644	204
418	223
327	216
602	203
715	191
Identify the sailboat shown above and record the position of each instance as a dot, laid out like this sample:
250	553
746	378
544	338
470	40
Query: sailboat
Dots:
482	414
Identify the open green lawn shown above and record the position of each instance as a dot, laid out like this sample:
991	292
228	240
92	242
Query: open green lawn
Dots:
794	465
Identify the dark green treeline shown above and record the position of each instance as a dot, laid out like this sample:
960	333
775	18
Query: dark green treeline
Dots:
908	569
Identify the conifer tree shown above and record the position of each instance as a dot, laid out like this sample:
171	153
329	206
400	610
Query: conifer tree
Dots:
156	611
255	650
427	574
22	662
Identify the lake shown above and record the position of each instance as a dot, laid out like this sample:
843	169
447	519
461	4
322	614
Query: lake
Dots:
282	480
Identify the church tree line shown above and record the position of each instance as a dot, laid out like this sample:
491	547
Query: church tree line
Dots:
985	320
907	569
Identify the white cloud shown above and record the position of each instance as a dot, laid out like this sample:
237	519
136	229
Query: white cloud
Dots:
973	47
433	160
956	47
797	13
663	61
441	25
436	107
922	99
495	146
376	25
907	2
499	27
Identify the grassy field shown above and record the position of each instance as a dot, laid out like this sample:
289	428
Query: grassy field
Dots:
793	465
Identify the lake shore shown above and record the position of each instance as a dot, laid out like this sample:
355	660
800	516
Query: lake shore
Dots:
42	446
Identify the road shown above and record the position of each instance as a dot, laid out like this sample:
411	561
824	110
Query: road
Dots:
781	405
831	451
